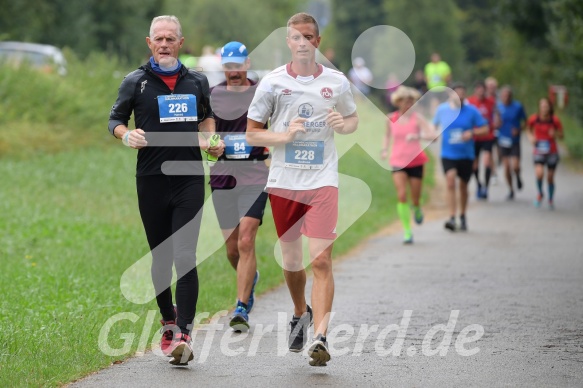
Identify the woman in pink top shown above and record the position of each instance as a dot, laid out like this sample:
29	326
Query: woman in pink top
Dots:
405	128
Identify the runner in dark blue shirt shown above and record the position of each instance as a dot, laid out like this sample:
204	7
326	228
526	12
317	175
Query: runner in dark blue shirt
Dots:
512	122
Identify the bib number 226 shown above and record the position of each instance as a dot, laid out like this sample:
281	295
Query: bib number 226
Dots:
178	108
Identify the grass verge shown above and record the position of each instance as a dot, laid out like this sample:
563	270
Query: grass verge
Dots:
573	131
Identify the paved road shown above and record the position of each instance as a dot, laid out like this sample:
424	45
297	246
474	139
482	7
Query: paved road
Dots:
517	274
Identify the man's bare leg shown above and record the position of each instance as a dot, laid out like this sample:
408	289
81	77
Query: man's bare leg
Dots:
295	274
323	285
247	265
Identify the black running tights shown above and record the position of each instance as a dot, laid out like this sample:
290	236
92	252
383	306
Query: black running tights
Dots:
171	211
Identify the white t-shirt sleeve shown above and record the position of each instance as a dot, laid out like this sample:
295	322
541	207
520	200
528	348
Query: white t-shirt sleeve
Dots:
345	104
261	107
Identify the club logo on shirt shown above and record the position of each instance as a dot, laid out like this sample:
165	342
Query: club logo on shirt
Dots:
326	93
305	111
286	92
143	86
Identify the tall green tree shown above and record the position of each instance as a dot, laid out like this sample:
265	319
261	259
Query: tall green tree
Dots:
113	26
479	25
566	37
23	20
350	19
529	18
550	46
211	22
432	27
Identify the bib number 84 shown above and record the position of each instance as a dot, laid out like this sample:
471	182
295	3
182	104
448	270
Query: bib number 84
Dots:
304	155
178	108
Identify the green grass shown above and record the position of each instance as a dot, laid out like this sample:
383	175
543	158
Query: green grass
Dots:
70	228
573	131
47	113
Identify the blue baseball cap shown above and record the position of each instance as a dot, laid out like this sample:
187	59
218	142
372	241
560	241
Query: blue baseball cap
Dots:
233	52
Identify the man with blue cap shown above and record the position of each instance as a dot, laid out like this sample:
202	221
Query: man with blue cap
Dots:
239	177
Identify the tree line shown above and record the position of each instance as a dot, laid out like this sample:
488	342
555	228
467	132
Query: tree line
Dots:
529	44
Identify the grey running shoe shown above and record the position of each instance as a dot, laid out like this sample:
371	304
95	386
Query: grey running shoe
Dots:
463	224
318	351
182	350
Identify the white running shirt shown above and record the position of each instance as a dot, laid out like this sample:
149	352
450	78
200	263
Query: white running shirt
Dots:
311	160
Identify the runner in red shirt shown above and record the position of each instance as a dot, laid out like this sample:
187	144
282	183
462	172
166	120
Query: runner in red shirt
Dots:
543	130
487	107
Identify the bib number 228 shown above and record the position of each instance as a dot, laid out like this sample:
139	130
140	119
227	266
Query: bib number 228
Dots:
307	155
304	155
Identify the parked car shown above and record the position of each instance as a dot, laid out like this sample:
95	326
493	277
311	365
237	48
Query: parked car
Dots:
45	57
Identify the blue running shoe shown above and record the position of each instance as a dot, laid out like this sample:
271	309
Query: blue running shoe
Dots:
479	192
538	201
252	295
240	319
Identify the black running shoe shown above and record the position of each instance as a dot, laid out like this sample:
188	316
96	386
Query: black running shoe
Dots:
463	224
299	331
450	225
318	351
510	196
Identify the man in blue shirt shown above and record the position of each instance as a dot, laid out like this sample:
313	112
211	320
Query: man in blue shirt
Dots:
458	123
513	118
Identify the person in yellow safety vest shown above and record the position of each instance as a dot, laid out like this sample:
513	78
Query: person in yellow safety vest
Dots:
437	77
437	73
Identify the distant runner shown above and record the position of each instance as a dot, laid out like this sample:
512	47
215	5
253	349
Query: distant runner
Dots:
512	117
544	128
460	123
483	144
405	128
